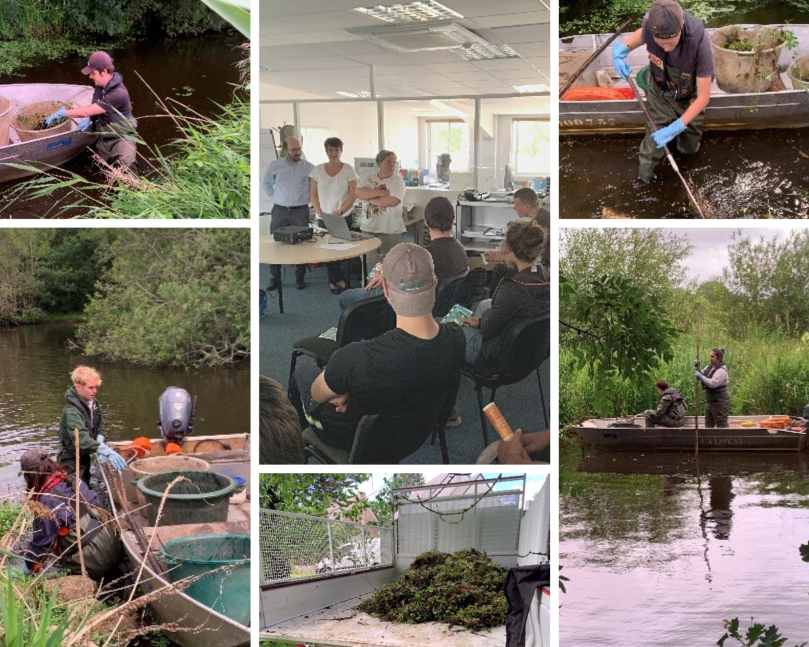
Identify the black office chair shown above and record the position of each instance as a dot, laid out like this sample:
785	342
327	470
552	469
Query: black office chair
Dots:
446	294
525	349
388	439
360	320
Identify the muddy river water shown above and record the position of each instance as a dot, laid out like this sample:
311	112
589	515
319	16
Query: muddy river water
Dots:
660	549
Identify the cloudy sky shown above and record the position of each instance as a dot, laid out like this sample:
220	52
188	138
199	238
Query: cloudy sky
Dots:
710	253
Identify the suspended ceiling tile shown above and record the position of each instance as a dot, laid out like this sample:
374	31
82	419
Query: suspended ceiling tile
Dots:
524	34
515	19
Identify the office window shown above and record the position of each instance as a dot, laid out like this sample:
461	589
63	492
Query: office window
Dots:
531	140
312	138
449	137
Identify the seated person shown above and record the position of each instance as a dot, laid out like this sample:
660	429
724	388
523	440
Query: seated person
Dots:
55	526
523	296
449	256
392	374
671	409
280	439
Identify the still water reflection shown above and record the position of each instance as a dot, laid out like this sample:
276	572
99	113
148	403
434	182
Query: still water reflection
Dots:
34	374
661	548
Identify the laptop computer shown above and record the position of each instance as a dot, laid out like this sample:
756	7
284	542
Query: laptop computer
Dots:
338	228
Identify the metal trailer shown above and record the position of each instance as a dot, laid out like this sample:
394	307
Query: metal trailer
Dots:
315	570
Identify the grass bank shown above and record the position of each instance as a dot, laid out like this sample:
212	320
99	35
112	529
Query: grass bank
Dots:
769	374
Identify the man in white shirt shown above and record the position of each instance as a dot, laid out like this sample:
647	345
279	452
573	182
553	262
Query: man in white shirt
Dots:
287	184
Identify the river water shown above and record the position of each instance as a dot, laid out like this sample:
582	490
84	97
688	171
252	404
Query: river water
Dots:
736	174
197	72
661	548
34	374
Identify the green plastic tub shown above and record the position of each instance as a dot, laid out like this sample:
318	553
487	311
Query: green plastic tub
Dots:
202	498
222	563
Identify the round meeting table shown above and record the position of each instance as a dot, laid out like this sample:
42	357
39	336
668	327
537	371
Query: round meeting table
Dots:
319	249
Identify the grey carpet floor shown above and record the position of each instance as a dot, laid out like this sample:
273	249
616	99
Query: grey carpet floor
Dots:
313	310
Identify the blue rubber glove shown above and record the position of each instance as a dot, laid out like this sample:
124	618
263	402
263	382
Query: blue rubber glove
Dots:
100	438
85	123
700	376
619	53
665	135
56	115
105	453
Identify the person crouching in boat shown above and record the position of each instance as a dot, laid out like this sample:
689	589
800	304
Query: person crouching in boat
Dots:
53	491
110	113
715	382
677	80
670	411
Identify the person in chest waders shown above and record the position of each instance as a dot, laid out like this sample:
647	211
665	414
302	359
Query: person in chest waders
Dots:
81	413
110	113
677	80
54	491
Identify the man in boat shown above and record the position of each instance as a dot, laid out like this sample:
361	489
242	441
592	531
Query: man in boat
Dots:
110	113
287	184
55	526
670	411
81	414
715	382
677	80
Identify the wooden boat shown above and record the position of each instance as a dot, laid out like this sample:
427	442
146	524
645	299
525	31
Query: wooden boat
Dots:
51	150
781	109
623	435
195	625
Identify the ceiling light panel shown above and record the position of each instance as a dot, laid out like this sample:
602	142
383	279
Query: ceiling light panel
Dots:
404	14
476	52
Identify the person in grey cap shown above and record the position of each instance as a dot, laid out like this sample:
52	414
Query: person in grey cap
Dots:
55	533
402	371
110	113
677	80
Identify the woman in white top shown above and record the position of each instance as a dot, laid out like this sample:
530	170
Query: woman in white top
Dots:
383	193
334	191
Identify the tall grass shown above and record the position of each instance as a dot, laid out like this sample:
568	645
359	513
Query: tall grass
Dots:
769	374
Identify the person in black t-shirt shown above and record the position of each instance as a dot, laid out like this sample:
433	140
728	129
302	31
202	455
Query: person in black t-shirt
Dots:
397	372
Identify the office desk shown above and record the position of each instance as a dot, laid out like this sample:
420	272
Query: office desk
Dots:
273	253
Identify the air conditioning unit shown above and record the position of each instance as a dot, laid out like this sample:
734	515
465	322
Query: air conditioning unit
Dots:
423	37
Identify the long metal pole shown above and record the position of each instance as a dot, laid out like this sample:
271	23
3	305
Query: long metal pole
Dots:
665	148
593	57
696	394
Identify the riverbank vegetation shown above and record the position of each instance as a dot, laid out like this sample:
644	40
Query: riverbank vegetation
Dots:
630	317
149	297
606	16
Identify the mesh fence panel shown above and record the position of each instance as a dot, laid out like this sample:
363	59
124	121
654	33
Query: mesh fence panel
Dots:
297	546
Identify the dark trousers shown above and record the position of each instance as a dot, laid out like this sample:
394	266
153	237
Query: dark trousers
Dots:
717	409
284	217
333	428
67	459
335	269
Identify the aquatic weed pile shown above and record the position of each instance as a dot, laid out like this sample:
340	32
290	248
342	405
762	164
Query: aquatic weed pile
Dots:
465	588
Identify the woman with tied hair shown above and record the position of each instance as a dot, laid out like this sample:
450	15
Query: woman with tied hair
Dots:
715	382
524	295
383	193
52	497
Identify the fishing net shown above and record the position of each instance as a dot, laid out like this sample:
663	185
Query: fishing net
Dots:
465	588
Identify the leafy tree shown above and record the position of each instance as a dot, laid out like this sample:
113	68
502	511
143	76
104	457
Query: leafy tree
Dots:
172	296
67	276
22	252
382	506
768	281
313	494
649	258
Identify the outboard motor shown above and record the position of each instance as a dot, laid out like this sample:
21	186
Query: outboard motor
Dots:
176	408
806	412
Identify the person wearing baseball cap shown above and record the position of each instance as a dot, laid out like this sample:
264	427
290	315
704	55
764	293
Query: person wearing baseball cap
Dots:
410	371
109	114
677	80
